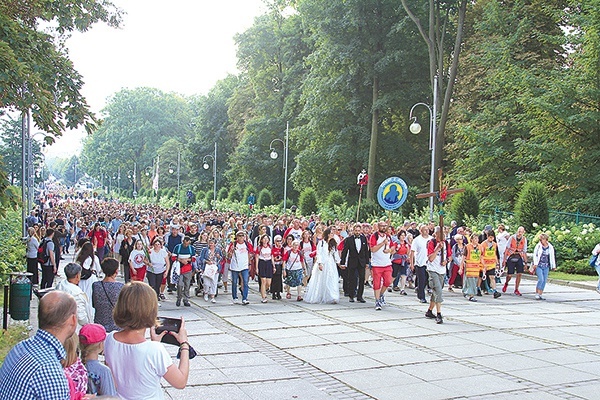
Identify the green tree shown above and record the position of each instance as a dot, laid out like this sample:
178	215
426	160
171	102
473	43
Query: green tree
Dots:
265	198
235	194
335	198
532	206
308	201
38	74
222	193
138	122
464	205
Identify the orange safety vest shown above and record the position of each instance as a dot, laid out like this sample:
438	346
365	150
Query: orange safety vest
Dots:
488	255
472	261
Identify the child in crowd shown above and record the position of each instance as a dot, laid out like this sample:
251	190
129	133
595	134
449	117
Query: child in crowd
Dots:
74	369
100	380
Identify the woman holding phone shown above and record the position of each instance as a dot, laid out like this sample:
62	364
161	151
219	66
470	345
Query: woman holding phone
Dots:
129	355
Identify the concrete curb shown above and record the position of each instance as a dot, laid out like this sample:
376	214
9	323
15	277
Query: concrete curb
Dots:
588	285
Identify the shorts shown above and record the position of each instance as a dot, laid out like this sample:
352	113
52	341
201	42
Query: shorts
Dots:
265	269
436	284
399	269
512	265
491	272
380	273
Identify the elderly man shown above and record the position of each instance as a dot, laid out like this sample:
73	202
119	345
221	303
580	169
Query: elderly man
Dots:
85	313
32	369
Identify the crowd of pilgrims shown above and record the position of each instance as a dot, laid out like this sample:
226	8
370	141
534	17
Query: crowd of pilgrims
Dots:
279	251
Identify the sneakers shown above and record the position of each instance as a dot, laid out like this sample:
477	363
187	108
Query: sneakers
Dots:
450	289
403	292
396	289
213	300
429	314
186	303
423	301
264	300
351	299
517	293
439	319
245	302
538	297
236	301
178	303
479	292
389	290
377	305
497	294
162	296
205	296
382	300
505	287
473	299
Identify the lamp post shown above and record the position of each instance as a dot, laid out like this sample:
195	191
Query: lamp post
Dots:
274	156
415	128
30	165
206	166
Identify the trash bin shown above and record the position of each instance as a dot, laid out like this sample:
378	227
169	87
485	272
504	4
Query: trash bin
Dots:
19	296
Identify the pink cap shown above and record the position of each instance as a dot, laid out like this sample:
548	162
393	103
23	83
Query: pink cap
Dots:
92	333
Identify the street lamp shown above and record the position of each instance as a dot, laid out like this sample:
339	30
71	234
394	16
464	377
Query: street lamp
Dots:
415	128
274	156
30	164
206	166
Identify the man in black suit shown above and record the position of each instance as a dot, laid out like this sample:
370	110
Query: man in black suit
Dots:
355	257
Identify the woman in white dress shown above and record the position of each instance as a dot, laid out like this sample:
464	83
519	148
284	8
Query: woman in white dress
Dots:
324	285
90	268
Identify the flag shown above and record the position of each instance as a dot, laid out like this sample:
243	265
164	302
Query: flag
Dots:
155	180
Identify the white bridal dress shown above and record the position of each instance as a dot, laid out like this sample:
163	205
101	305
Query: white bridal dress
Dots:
324	285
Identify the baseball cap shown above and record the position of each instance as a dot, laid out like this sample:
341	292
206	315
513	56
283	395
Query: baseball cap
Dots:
92	333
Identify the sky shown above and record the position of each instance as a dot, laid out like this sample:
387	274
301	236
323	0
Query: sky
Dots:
182	46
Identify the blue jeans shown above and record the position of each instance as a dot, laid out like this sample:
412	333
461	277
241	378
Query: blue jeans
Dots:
234	284
542	274
598	272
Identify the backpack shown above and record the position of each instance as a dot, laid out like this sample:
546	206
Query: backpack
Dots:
42	253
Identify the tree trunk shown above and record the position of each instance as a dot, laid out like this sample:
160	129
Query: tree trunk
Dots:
373	145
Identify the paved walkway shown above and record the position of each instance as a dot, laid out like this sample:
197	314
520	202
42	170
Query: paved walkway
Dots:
500	349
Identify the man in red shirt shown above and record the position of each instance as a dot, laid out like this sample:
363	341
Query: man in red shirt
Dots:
382	249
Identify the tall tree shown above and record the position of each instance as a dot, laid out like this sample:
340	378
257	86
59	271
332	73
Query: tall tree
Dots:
445	22
357	94
138	121
38	74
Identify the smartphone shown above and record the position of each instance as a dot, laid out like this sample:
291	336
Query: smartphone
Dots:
168	324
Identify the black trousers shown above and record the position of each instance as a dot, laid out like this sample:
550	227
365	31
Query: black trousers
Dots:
32	266
355	276
421	281
154	280
47	277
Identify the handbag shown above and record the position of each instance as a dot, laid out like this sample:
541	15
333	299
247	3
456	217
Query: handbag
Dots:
86	273
210	270
593	260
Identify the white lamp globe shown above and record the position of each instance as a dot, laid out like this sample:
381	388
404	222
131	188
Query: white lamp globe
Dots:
415	128
205	166
274	154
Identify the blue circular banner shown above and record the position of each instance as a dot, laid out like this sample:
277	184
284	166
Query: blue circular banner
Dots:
392	193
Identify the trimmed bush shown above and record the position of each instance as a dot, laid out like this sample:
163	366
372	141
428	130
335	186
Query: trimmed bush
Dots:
580	267
222	194
532	206
308	201
142	192
208	198
199	196
235	194
464	205
335	198
265	198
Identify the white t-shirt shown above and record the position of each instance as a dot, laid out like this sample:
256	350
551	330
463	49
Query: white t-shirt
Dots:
137	368
137	258
419	246
240	258
157	259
